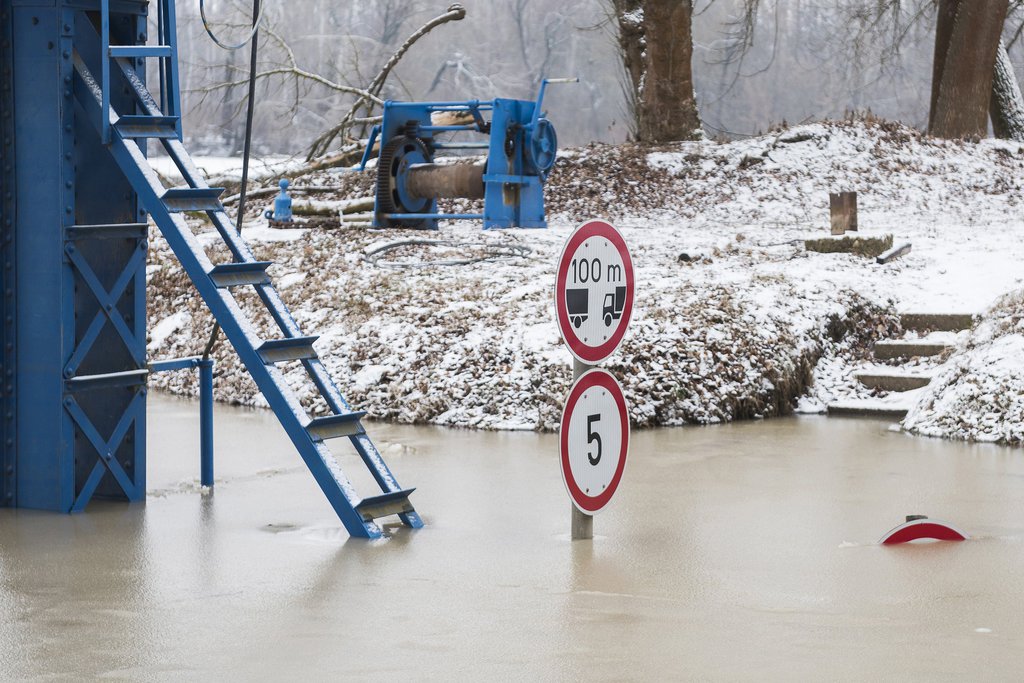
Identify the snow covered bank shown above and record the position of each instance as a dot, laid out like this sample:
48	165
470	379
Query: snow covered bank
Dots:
476	345
732	314
979	395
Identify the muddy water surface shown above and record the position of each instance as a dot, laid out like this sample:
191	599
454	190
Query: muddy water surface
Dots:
735	552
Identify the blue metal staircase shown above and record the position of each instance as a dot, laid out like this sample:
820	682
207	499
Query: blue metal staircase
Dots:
123	133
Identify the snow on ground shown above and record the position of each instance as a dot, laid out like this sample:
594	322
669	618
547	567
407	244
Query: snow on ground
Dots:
732	314
979	394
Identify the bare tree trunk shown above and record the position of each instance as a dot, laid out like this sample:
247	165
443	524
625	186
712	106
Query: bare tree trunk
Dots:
1007	105
668	110
961	104
656	41
944	20
629	15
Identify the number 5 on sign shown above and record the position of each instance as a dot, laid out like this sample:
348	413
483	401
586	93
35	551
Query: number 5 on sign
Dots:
593	436
594	440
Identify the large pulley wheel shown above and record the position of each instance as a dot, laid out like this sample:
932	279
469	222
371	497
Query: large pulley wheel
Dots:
543	147
393	195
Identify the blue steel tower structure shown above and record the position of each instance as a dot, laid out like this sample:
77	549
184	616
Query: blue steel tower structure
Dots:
74	280
77	192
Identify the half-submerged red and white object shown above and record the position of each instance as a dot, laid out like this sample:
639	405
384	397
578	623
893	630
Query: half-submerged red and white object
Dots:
919	526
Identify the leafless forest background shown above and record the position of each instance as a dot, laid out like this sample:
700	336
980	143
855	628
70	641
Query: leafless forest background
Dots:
808	59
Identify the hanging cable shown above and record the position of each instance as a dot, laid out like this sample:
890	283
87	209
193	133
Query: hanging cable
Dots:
257	13
250	109
257	20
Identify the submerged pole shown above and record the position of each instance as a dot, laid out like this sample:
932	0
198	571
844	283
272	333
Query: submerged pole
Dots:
582	523
206	422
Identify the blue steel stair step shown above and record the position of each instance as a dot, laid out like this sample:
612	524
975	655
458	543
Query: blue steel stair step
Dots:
334	426
241	274
392	503
111	231
289	348
193	199
134	126
139	51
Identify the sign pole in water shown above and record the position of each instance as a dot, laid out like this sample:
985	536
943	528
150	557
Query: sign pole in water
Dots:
582	523
593	304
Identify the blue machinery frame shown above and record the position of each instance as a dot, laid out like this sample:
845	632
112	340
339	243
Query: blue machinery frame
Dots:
76	191
521	149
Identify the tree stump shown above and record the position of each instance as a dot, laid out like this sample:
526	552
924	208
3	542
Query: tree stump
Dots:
843	206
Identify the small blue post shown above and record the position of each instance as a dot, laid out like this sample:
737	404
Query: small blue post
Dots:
206	421
282	204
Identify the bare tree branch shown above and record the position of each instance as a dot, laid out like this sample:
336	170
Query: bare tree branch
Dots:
298	73
321	144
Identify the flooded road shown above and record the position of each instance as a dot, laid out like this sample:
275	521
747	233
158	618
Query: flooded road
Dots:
742	551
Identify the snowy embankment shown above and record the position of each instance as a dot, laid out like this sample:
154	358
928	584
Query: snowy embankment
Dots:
731	315
979	395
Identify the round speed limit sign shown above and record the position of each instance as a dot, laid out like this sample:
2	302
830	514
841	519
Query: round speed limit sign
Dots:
594	440
594	291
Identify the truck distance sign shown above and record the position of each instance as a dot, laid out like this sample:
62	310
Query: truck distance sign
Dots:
594	291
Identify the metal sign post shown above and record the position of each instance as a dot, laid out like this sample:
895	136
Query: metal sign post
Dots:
593	305
582	523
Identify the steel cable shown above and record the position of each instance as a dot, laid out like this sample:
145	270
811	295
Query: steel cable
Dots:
492	252
257	20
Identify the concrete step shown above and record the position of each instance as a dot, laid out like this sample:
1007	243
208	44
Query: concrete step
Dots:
892	379
909	348
937	322
868	408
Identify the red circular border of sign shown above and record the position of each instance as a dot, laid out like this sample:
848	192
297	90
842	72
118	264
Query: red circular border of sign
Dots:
923	528
592	354
595	377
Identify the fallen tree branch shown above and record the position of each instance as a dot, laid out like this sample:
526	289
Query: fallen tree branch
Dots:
263	192
319	147
347	157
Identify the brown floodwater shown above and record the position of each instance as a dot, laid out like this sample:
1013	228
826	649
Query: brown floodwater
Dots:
744	551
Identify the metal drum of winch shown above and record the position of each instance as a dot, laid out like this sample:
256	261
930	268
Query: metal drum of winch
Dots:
408	181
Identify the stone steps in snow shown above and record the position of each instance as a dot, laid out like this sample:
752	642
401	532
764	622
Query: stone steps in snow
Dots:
909	348
892	379
937	322
869	407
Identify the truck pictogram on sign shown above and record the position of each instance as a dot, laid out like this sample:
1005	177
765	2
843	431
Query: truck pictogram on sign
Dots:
613	304
577	301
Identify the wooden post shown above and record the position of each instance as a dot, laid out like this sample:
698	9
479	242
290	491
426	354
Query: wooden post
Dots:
843	207
582	523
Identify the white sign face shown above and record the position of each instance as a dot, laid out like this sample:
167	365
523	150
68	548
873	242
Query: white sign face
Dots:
594	440
594	291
